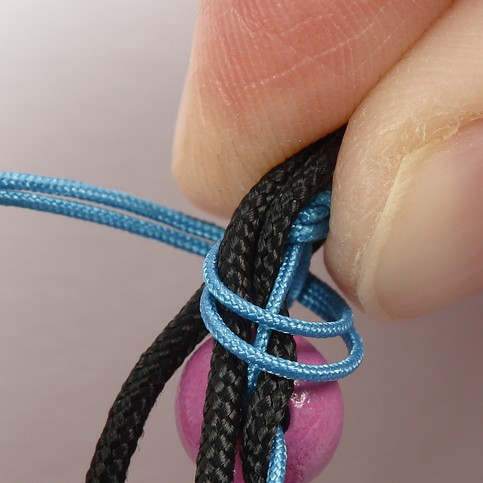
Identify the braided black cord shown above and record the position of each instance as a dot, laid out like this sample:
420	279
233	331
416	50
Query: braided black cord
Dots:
226	383
267	407
132	406
242	269
266	411
134	402
298	180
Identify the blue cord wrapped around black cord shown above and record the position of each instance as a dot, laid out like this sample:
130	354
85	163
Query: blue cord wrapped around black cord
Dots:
251	256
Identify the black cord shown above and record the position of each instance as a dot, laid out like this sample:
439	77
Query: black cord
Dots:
250	256
128	414
249	262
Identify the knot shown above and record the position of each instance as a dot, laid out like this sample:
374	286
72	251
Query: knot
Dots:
293	282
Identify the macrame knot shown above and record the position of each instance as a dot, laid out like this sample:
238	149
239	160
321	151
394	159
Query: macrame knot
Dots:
293	282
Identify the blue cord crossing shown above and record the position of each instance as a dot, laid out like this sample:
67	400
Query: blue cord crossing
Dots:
294	282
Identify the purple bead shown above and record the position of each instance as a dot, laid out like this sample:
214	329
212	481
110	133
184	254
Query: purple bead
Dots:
316	413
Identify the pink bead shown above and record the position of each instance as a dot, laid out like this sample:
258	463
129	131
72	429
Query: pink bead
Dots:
316	413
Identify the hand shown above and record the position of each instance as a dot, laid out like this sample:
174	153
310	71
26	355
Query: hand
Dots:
268	78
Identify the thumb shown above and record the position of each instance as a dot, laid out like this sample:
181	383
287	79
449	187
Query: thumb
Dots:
406	231
268	78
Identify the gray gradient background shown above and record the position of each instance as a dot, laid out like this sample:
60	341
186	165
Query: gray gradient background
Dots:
89	90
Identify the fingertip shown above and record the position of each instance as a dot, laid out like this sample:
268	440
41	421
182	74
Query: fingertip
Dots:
268	78
406	230
427	250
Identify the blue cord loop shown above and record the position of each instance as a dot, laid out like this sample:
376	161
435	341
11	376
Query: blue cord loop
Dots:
312	293
294	282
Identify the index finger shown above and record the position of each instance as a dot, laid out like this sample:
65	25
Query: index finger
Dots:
268	78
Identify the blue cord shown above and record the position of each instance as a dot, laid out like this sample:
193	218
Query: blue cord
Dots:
294	282
160	223
277	466
274	305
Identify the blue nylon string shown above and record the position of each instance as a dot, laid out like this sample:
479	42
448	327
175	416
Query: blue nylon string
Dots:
277	466
294	282
91	203
274	305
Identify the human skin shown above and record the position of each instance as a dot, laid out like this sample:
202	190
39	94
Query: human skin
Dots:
267	78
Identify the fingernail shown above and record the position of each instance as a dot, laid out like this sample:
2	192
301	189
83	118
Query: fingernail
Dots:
427	249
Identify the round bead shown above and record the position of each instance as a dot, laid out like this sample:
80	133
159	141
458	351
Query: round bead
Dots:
316	413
